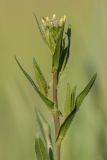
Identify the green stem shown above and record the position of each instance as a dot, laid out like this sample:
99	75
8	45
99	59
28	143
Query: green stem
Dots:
56	115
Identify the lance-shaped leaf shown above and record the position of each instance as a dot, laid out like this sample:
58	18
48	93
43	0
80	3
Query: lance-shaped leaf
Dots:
41	127
84	93
65	126
40	79
48	102
44	124
68	101
40	149
65	52
56	55
73	96
47	139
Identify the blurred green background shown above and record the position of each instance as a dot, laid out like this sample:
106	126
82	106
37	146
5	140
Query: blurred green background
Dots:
19	35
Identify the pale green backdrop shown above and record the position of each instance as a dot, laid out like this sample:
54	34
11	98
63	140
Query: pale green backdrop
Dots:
19	35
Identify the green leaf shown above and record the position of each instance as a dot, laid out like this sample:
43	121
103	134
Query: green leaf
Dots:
56	55
41	127
44	123
86	90
47	139
40	79
73	96
65	52
48	102
68	101
40	149
65	126
51	155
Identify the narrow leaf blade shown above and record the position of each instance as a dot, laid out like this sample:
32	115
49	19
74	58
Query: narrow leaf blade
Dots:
40	149
56	55
84	93
41	127
40	79
65	126
37	149
65	52
73	95
68	101
48	102
45	128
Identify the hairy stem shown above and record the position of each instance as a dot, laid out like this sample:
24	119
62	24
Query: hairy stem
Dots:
56	115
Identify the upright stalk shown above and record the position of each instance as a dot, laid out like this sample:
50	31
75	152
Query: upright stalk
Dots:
56	115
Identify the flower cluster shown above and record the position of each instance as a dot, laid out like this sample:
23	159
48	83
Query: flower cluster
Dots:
51	29
54	21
